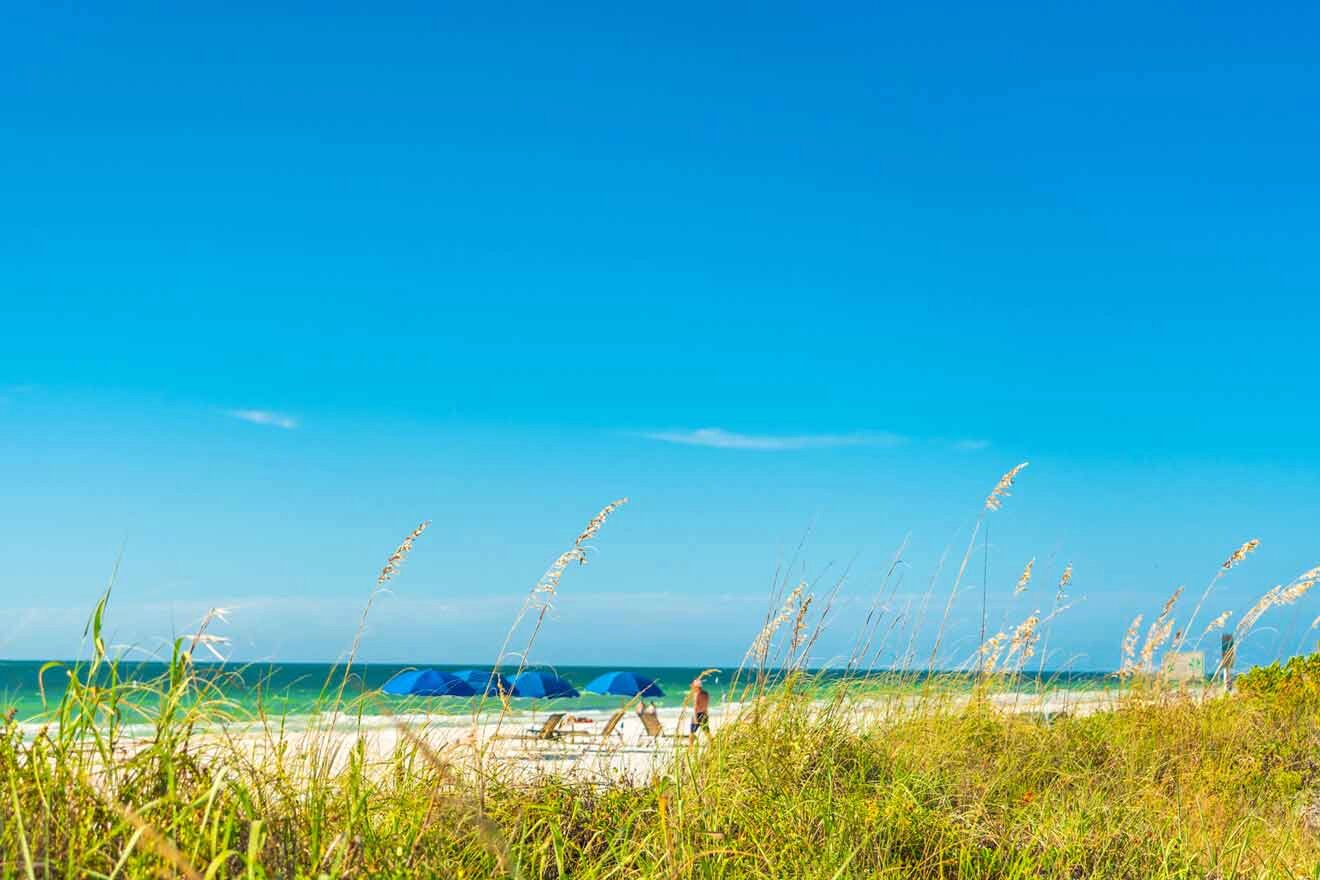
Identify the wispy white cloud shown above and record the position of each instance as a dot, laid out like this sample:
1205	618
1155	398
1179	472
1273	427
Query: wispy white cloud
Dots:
971	445
719	438
264	417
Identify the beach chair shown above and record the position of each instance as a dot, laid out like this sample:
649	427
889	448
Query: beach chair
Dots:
652	725
654	729
549	730
611	724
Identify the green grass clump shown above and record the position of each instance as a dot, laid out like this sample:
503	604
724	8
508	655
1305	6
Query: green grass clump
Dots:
909	775
1164	786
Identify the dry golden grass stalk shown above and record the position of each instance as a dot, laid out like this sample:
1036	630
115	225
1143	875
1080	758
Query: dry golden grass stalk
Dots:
468	811
1217	623
1023	643
1299	588
539	598
548	585
1025	580
1234	558
593	527
1168	604
1159	632
1253	614
1064	580
1129	664
392	566
206	640
395	562
988	653
153	839
1157	635
1277	595
1241	553
760	646
800	623
995	499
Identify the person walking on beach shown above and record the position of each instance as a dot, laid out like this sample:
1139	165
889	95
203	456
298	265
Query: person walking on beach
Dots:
700	710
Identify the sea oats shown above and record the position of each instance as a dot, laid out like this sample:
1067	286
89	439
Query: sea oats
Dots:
1159	631
1164	612
209	642
1064	580
1024	638
1155	637
1025	579
395	562
392	566
989	652
995	499
543	592
548	585
1129	664
1278	595
1263	604
206	640
598	520
1298	588
1241	553
1217	623
1234	558
800	623
761	644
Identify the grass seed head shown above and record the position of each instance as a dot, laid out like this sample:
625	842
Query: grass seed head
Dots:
1299	587
1217	623
1157	635
1024	639
1168	604
1241	553
395	562
760	648
1129	664
599	520
995	499
1064	580
1025	579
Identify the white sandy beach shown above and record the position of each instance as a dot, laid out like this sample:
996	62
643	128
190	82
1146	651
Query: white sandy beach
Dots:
581	753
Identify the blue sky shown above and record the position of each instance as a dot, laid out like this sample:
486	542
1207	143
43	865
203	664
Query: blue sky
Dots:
278	284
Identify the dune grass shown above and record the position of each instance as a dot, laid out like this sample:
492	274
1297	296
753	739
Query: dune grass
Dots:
873	776
1167	785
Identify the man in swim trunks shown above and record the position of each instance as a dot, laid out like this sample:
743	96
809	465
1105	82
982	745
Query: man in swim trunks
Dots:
700	710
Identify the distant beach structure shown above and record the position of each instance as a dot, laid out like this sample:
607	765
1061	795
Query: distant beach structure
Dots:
1184	667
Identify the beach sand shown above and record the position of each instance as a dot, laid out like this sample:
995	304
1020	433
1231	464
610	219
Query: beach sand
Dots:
627	756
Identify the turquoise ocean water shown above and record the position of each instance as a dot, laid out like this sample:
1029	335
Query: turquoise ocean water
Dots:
299	688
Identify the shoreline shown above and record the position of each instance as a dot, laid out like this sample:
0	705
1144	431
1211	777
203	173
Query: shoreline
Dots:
579	753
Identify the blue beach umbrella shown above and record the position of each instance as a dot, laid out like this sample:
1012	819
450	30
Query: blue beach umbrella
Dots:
483	679
540	684
428	683
625	684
